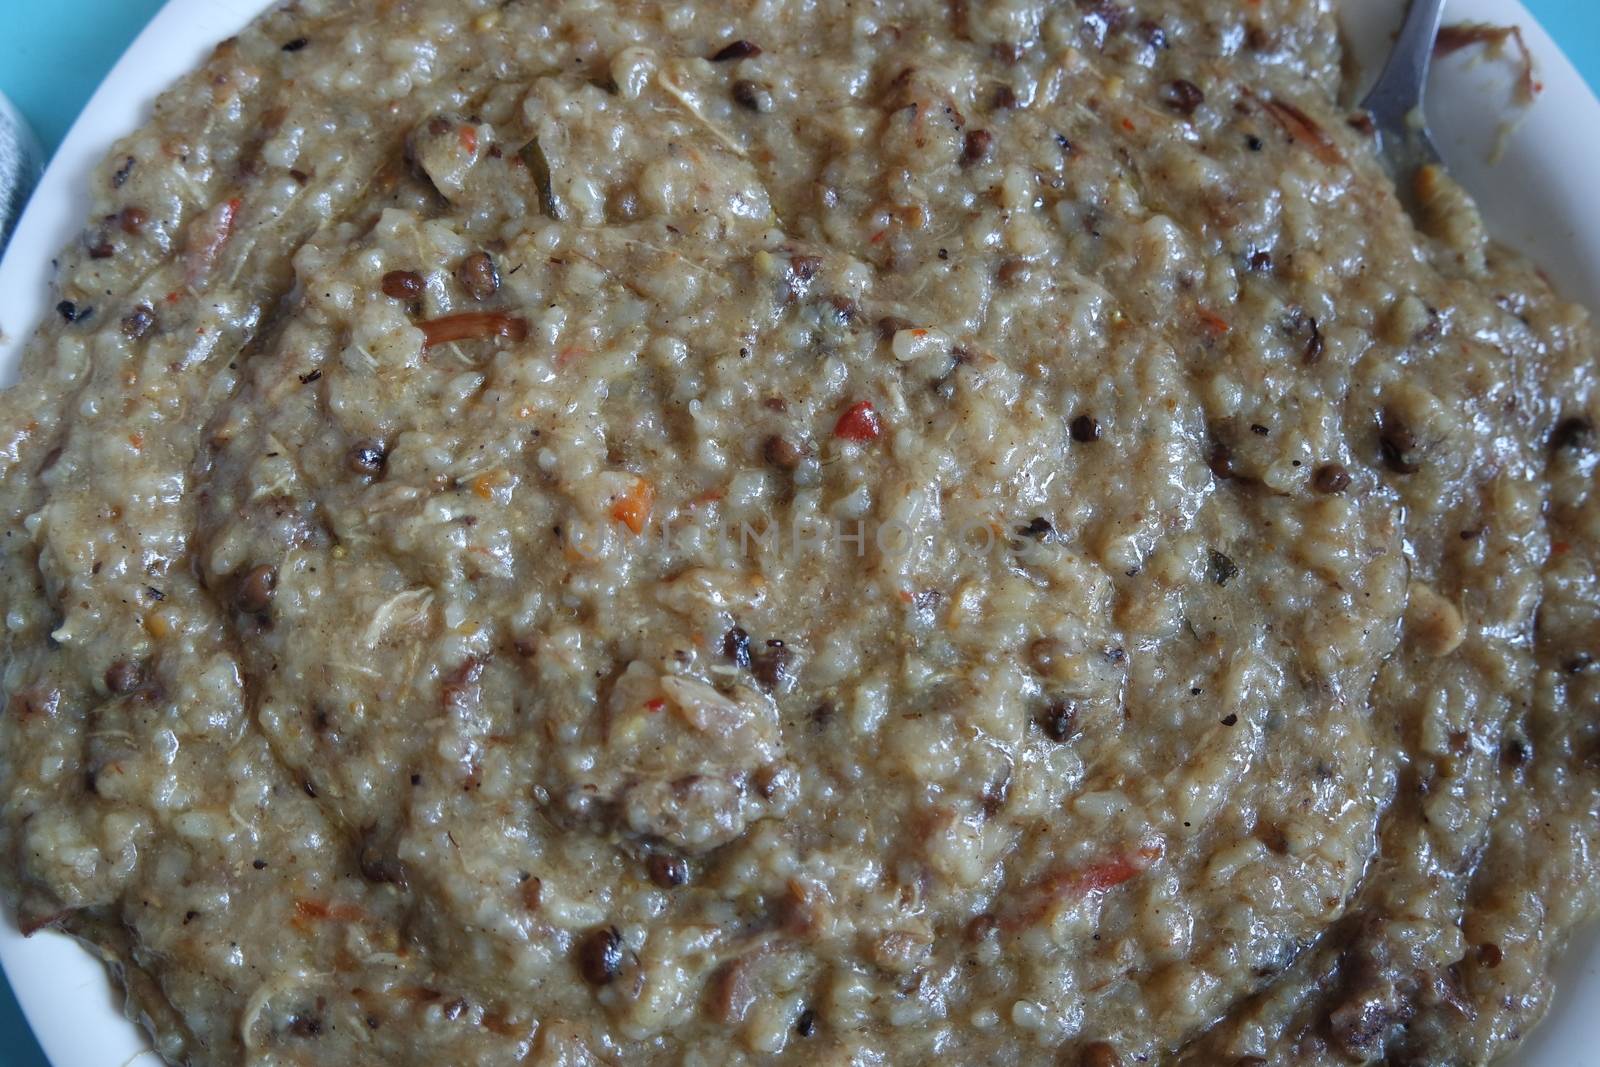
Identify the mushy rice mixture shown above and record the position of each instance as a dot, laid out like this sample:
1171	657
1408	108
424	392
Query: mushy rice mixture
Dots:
1166	630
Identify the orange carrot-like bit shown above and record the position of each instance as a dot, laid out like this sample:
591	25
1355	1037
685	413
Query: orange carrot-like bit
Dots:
1077	883
314	909
632	508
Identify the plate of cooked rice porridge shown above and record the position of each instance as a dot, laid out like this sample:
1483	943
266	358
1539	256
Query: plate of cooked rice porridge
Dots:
572	532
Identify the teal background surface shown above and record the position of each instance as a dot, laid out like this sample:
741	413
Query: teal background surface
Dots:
54	52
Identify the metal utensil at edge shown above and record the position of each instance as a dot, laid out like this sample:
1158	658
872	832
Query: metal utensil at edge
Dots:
21	163
1395	99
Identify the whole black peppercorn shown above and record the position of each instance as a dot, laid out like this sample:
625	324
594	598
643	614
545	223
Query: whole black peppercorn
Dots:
600	956
666	870
736	646
1330	478
368	457
771	665
1038	527
1397	444
1576	433
1059	721
1222	568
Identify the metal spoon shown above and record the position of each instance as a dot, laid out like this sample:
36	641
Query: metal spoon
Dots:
1395	100
21	162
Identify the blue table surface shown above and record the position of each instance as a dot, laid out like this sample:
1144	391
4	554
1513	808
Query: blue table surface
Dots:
52	56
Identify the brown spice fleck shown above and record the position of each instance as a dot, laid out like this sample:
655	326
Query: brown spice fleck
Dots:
782	453
740	49
1576	433
478	276
666	870
771	665
1099	1054
402	284
124	676
736	647
1397	444
1059	721
378	867
1013	269
600	956
256	589
1272	835
1182	96
752	96
133	220
1220	460
890	325
1222	568
137	323
976	149
1047	655
1330	478
804	267
1315	345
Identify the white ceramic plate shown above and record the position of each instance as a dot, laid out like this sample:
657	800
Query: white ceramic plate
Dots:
1536	196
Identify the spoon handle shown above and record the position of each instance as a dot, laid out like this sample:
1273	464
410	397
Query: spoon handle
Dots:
1399	88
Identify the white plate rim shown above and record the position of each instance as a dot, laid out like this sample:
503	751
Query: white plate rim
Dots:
64	991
